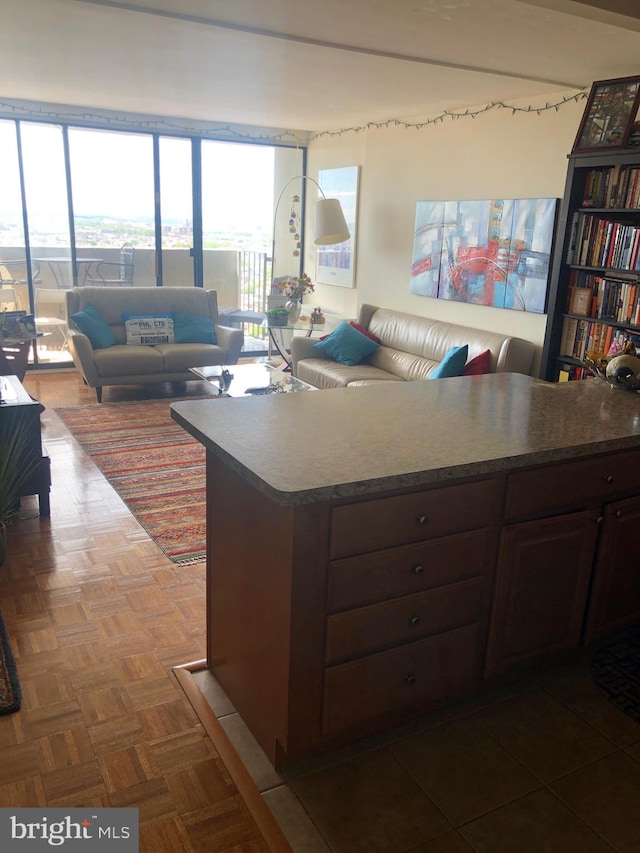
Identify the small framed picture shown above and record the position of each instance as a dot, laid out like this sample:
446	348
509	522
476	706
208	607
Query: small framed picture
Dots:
609	115
580	301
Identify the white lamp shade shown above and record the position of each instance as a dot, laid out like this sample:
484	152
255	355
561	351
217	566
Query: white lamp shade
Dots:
331	226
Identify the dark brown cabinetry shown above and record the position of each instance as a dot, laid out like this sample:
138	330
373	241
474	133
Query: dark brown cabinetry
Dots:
20	413
578	556
615	599
331	620
542	583
418	635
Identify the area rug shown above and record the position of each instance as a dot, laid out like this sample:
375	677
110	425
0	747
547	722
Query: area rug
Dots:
615	668
156	467
10	696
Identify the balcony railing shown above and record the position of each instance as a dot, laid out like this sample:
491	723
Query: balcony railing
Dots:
239	278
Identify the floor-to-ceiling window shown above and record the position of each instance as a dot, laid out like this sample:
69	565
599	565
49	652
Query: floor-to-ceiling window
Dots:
46	199
195	211
113	204
176	210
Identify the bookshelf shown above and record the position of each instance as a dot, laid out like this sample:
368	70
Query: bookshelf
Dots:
594	294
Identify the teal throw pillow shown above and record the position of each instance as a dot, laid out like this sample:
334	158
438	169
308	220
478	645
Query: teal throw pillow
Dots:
452	364
90	323
193	329
347	345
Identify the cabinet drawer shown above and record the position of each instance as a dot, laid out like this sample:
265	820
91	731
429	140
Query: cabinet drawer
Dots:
572	484
370	525
417	674
367	578
379	626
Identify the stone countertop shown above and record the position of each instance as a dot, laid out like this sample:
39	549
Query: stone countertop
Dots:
345	442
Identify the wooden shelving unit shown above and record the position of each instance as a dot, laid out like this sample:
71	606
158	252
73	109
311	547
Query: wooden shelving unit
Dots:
600	255
598	236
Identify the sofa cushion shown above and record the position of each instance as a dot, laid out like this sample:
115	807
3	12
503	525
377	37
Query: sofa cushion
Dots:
128	360
180	357
347	345
452	364
406	365
330	374
364	331
148	329
478	365
90	323
193	329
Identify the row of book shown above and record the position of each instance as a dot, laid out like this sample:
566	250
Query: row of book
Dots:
598	241
612	186
582	336
604	297
569	372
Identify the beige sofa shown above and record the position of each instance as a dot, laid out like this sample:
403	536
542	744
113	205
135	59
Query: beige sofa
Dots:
133	364
411	348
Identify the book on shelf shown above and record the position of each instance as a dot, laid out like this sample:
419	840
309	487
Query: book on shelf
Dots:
569	332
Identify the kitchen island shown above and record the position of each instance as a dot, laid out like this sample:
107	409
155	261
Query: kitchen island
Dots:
374	552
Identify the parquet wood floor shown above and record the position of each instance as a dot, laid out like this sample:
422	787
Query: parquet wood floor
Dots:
97	617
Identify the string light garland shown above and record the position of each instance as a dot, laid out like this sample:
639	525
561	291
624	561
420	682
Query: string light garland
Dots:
454	116
127	121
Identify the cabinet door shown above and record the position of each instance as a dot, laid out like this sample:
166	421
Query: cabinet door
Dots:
541	590
615	598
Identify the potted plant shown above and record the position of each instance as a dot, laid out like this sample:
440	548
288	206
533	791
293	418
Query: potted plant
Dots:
16	466
277	316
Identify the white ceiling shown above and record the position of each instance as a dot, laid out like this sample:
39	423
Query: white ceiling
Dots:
310	64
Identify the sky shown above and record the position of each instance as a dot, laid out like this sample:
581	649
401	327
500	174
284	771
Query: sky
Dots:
112	175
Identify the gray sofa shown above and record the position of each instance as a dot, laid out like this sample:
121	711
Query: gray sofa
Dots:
127	364
411	348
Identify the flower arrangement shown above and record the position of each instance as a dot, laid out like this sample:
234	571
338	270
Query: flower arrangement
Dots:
295	288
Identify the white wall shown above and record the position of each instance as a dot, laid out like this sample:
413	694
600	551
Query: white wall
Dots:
496	155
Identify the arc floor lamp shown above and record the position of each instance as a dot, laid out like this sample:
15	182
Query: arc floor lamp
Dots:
330	224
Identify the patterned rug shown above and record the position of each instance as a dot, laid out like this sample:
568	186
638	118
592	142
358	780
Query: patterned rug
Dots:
156	467
616	670
10	696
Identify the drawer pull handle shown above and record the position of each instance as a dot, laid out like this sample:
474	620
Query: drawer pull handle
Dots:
418	570
409	679
414	620
599	519
422	519
618	513
609	478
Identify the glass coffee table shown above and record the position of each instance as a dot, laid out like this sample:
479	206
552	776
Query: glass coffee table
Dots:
250	380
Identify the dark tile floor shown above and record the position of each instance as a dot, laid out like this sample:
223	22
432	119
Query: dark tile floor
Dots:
545	765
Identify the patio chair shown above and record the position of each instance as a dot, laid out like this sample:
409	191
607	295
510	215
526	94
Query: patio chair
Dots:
113	273
15	272
8	297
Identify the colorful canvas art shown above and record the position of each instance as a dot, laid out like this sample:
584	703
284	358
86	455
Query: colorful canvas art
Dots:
493	252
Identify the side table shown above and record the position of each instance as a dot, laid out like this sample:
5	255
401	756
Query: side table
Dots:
16	407
14	355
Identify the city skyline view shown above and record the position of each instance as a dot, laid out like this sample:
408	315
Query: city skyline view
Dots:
112	190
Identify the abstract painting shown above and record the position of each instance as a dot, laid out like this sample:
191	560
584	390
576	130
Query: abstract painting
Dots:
493	252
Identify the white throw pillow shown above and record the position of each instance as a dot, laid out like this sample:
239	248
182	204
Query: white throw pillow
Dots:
148	330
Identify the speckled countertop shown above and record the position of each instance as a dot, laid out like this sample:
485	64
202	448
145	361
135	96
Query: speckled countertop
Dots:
307	447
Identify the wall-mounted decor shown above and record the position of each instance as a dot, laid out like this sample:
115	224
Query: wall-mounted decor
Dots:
336	264
609	116
494	252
